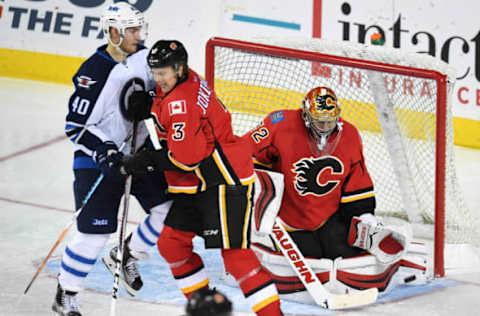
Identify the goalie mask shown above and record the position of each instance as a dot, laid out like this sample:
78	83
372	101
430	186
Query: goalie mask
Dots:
320	113
122	15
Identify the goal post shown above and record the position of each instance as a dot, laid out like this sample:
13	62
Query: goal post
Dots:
400	102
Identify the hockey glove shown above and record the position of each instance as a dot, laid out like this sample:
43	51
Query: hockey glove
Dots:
146	161
386	243
138	164
108	157
139	106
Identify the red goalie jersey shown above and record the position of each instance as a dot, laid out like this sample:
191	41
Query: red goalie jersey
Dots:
200	138
316	186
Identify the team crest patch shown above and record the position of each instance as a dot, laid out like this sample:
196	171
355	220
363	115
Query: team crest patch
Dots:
277	117
85	82
177	107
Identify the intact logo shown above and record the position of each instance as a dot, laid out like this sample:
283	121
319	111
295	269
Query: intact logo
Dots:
85	82
177	107
309	170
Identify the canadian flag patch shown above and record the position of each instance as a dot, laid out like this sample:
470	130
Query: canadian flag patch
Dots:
177	107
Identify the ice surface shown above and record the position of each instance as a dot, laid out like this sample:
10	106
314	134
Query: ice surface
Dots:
36	203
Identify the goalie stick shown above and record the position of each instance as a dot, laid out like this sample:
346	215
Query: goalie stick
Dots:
309	279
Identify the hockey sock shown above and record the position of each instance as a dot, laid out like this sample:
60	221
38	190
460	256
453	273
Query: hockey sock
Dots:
79	258
255	282
146	234
187	268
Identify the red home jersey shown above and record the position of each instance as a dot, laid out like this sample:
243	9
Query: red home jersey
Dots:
316	186
198	129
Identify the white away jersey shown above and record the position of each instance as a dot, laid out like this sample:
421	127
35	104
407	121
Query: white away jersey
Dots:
102	87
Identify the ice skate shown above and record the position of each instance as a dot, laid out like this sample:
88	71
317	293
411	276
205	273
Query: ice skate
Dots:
129	275
66	303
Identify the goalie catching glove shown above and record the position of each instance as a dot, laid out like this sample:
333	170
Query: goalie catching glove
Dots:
386	243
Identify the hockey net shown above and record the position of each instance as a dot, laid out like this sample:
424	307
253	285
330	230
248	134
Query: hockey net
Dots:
400	102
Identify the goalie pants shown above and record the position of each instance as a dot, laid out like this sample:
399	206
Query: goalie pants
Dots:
328	241
220	215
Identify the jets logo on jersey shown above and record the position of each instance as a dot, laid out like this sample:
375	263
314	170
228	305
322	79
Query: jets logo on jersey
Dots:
177	107
133	84
314	175
85	82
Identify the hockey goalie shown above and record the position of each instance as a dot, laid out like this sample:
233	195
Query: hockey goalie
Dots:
327	205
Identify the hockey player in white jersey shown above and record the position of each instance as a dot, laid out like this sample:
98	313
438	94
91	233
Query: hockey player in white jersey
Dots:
99	123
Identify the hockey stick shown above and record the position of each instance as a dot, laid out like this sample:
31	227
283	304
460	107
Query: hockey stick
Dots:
152	133
69	224
121	234
65	230
309	279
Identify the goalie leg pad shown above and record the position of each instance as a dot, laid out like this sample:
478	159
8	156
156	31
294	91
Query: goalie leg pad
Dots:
267	200
345	275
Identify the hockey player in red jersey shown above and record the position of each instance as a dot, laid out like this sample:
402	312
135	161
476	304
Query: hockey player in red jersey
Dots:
329	201
326	180
210	172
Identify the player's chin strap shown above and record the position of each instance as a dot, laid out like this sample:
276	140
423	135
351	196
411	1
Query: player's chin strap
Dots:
309	279
117	46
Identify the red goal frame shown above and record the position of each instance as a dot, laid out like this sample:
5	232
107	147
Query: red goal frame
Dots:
441	79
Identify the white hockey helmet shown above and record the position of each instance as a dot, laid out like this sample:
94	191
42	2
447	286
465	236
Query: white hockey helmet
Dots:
121	15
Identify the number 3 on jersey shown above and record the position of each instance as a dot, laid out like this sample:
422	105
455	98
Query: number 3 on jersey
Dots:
178	131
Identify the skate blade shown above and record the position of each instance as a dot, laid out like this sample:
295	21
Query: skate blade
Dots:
110	265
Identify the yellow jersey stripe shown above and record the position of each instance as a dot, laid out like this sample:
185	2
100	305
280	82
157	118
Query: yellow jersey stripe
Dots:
357	197
179	164
202	179
223	216
265	302
247	217
188	190
255	161
195	287
222	168
249	180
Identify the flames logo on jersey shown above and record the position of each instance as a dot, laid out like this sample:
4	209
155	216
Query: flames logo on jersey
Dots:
308	171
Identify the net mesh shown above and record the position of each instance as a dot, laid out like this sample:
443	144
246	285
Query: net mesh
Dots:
253	84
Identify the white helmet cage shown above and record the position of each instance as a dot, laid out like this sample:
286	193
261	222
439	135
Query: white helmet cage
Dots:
122	15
